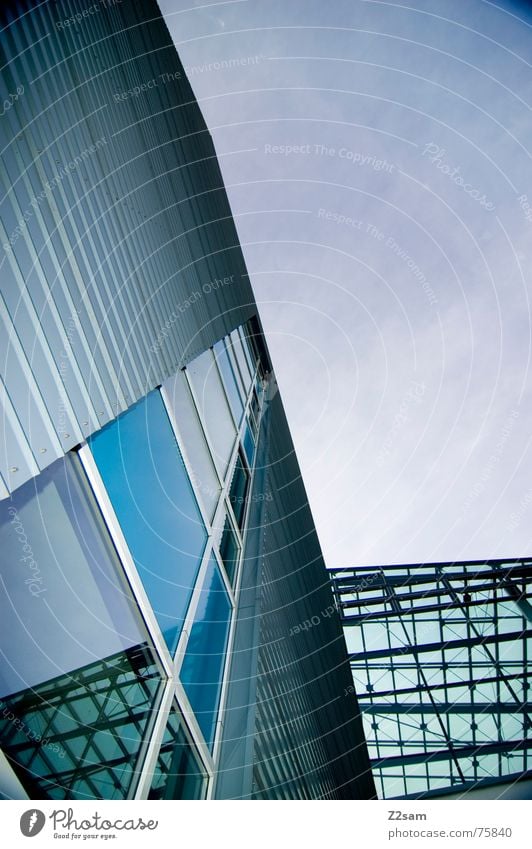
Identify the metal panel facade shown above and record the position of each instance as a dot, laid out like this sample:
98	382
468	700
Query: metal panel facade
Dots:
120	260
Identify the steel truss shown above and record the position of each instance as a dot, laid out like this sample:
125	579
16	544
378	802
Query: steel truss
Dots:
439	655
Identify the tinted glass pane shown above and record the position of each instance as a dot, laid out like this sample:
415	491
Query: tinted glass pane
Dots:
202	669
81	735
248	443
248	349
255	405
229	550
139	460
213	408
178	774
229	381
199	457
78	683
238	350
65	601
238	491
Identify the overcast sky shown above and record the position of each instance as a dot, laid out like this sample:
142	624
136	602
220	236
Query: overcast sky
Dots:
377	158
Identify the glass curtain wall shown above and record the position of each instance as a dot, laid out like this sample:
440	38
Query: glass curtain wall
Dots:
120	570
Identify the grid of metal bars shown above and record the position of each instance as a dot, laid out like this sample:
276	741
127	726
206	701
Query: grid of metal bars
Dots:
439	655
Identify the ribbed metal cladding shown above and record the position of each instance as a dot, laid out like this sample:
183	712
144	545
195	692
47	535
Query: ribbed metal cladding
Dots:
309	741
119	260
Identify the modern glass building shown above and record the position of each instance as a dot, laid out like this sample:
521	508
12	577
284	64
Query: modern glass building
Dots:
168	626
440	659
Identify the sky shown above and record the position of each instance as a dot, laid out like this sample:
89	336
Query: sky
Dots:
377	158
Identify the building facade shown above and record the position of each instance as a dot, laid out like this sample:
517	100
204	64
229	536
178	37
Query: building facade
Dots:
440	659
168	626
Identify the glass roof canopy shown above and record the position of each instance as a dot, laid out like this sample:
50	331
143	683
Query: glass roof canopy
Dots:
439	654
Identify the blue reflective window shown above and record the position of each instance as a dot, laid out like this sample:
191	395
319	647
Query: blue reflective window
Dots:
140	464
203	665
178	773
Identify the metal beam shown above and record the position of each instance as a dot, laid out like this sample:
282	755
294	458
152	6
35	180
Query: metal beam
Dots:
375	581
439	646
441	685
410	567
477	708
505	747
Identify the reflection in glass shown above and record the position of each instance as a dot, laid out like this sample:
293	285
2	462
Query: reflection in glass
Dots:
78	682
243	363
80	735
203	472
65	600
203	665
248	443
229	550
140	464
213	408
238	491
230	383
178	774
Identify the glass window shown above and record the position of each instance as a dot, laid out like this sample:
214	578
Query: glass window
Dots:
229	550
243	385
213	408
178	773
248	443
78	681
203	665
203	471
254	406
248	350
229	380
238	490
140	464
238	350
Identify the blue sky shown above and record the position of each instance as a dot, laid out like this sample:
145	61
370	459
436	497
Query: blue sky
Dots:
377	160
